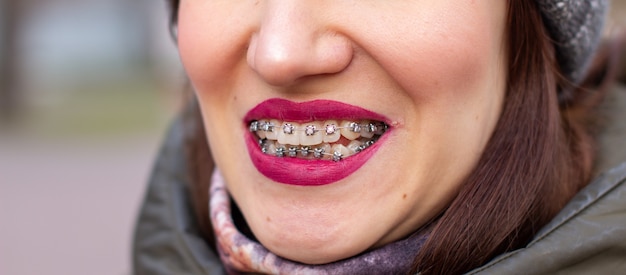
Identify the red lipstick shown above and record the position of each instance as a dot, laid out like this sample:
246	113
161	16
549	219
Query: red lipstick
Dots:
307	172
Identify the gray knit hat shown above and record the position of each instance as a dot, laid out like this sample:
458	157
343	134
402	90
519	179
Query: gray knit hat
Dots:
575	27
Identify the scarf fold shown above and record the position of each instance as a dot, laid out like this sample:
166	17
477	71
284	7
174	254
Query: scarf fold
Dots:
239	254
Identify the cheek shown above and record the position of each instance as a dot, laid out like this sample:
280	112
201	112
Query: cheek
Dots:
444	69
210	44
446	58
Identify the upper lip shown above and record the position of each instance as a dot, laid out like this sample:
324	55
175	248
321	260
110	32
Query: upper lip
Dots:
301	112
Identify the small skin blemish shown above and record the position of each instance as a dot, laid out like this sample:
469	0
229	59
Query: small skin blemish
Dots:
404	196
268	219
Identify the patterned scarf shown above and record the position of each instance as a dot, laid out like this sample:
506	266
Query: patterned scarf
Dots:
239	254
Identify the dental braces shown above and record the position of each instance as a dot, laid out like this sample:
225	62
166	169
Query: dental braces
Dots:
311	129
318	152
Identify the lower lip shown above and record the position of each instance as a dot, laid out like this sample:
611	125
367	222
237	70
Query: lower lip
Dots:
303	172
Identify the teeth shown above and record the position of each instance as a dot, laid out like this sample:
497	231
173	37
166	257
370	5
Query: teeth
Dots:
271	129
260	125
292	151
288	134
350	130
355	127
322	151
325	151
254	126
261	134
368	130
265	125
340	152
331	131
327	148
270	147
288	128
312	134
353	146
281	151
381	129
317	139
318	153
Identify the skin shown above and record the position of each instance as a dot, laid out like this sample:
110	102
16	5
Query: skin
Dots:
436	68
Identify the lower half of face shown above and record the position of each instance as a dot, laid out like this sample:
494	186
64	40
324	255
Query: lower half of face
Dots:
342	128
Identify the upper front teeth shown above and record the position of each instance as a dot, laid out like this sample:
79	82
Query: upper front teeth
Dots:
288	128
316	132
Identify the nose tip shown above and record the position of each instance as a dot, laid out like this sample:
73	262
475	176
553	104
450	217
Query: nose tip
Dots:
281	56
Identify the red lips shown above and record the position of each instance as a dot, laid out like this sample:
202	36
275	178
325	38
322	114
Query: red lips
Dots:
306	172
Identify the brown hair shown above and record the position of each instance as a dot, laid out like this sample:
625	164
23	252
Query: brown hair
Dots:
533	164
540	155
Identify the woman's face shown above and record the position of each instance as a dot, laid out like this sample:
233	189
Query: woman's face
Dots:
430	72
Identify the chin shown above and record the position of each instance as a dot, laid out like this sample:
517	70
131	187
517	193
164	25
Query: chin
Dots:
310	242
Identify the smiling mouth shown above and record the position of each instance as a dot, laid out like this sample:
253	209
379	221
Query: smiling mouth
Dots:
316	140
312	143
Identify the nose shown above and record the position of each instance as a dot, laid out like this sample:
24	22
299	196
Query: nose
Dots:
292	43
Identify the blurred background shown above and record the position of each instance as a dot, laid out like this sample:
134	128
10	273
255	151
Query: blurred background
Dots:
87	88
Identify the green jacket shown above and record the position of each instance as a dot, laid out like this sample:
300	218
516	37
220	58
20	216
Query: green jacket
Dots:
587	237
